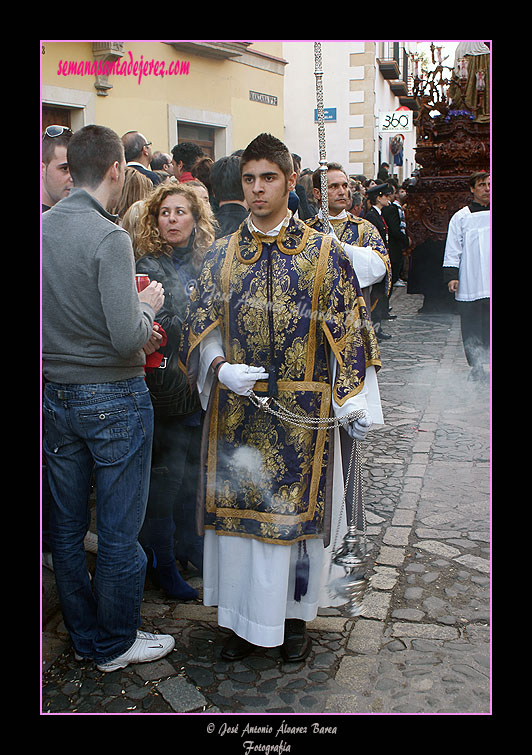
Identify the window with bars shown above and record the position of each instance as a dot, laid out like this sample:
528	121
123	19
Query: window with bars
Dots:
396	51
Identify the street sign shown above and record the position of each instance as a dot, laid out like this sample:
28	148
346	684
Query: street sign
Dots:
329	114
267	99
395	122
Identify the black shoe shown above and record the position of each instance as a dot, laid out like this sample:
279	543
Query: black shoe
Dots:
164	574
383	336
236	648
297	643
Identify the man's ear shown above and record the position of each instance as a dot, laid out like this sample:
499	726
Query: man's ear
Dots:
292	181
114	171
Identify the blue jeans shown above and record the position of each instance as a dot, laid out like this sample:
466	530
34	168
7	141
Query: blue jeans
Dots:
105	428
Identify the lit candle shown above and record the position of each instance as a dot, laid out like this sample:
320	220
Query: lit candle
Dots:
463	68
438	51
481	81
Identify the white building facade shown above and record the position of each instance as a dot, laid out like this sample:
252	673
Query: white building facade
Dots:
363	81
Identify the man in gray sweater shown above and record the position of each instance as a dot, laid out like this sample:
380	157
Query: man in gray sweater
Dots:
96	330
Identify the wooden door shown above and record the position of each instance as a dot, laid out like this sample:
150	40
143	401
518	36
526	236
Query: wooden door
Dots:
55	116
203	136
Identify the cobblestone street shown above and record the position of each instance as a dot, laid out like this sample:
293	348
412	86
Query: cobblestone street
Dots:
423	645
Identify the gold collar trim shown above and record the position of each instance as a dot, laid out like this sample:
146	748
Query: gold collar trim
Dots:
291	239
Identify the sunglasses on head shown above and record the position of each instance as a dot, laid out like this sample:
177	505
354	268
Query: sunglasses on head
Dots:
56	131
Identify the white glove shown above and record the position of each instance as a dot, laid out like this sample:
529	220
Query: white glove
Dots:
359	428
240	378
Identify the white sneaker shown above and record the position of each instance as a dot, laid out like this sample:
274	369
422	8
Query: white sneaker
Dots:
147	647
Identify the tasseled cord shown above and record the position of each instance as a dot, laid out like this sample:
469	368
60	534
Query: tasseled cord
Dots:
302	571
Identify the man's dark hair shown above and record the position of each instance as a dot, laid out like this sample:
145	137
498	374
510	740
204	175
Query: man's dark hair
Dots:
91	152
133	143
225	179
268	147
187	153
357	199
479	175
158	160
316	176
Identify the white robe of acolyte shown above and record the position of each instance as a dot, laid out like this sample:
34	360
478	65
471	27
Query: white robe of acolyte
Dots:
253	582
468	248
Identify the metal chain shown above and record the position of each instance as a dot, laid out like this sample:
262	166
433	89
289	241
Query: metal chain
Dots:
323	423
354	460
303	420
353	528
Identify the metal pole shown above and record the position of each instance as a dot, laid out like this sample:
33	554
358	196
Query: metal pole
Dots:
318	72
352	555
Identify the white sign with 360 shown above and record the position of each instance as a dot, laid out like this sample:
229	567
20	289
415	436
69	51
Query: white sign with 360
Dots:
395	122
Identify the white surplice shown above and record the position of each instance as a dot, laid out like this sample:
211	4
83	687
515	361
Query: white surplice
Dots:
468	247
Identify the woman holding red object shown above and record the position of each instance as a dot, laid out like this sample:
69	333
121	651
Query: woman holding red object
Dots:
173	233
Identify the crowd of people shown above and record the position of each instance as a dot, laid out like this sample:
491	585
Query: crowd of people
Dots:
147	387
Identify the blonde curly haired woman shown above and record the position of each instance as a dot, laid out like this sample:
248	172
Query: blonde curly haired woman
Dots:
173	233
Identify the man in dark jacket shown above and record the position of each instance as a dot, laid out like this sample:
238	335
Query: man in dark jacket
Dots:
397	238
383	174
305	211
379	197
139	154
227	189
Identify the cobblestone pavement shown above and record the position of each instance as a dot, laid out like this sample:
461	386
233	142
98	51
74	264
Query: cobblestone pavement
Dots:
423	645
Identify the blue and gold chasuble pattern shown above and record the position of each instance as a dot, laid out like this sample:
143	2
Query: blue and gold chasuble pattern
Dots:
358	232
263	478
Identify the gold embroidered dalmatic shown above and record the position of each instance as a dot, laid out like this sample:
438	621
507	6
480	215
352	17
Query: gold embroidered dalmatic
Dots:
359	232
286	303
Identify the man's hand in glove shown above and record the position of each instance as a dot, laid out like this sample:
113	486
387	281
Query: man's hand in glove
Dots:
359	428
240	378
